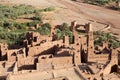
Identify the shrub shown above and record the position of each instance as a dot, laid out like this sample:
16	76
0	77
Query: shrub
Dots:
45	29
33	23
64	26
106	37
64	30
48	9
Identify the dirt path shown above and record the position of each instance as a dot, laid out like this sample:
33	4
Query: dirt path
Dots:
95	13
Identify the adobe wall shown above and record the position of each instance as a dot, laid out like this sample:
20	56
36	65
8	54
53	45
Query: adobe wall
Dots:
114	61
114	56
77	58
13	55
62	60
89	27
26	61
36	50
98	58
62	52
34	38
84	43
9	66
40	39
66	40
55	62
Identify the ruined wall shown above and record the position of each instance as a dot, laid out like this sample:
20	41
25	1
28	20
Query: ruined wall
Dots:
89	27
36	50
26	61
98	58
13	55
55	62
66	40
114	56
34	38
77	58
84	43
62	60
118	70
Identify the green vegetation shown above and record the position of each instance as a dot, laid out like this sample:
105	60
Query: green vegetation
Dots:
12	37
48	9
107	3
13	12
12	31
44	29
9	14
106	37
97	2
63	30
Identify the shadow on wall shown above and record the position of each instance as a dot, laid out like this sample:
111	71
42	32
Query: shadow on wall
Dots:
114	68
2	77
48	51
27	67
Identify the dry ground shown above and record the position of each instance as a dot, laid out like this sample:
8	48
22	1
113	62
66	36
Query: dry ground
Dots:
67	11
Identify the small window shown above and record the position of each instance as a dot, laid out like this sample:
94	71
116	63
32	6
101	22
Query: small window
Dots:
43	57
35	39
13	54
77	44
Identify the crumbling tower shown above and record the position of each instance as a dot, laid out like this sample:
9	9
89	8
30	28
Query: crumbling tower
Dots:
53	32
66	40
114	61
114	56
73	26
75	35
3	51
77	47
77	44
90	41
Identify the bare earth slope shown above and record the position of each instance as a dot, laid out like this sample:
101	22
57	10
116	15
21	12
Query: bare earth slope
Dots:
96	13
69	11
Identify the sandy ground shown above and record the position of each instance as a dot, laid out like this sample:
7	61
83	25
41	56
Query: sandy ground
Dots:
68	11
